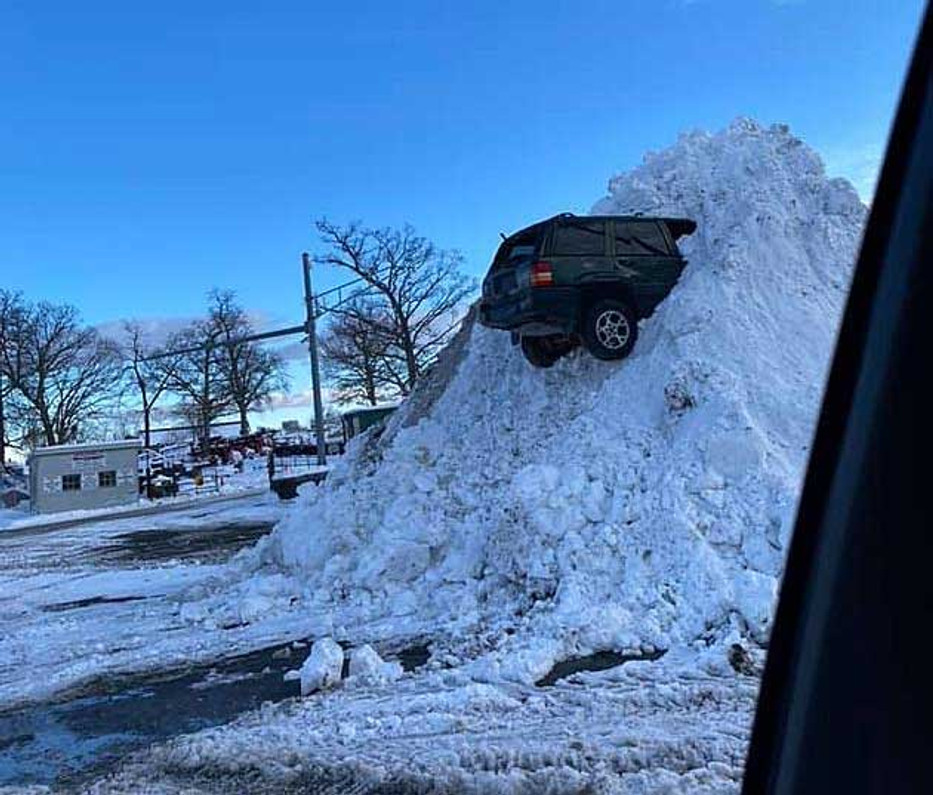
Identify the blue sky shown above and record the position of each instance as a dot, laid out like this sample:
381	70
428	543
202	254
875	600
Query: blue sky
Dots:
150	152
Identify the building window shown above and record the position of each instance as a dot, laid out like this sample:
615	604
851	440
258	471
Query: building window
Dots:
107	480
71	482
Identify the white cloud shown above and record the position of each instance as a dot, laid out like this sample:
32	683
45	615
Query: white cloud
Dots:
860	164
294	351
290	400
156	330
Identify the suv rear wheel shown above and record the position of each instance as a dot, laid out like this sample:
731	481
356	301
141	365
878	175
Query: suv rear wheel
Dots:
544	351
610	329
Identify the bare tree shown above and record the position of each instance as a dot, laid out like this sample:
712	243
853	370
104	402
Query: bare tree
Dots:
355	348
151	377
197	377
12	316
250	373
421	288
5	392
65	374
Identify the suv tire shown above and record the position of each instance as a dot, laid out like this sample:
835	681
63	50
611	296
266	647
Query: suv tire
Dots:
540	351
609	329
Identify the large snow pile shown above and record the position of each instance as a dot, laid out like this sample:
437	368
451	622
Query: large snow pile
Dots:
529	515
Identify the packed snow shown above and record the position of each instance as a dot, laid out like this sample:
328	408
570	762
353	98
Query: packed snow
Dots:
323	666
522	516
643	728
368	668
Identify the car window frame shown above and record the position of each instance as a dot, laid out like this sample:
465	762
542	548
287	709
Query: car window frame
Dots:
672	249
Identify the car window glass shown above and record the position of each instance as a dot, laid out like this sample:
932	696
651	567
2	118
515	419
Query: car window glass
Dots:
639	238
577	238
521	250
518	247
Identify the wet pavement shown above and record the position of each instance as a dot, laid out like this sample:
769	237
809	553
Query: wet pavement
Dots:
208	534
78	740
213	544
599	661
91	601
66	742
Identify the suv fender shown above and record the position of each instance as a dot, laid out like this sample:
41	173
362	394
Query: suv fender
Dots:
594	291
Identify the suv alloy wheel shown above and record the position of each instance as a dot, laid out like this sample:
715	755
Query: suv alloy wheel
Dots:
610	329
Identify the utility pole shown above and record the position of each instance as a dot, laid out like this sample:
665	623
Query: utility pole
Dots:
310	323
205	432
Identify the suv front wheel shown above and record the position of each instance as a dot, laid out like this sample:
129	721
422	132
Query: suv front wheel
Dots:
609	329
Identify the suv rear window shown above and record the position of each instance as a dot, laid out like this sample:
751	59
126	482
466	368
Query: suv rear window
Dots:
576	238
640	238
521	246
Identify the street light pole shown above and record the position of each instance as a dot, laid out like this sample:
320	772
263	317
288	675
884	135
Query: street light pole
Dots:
310	323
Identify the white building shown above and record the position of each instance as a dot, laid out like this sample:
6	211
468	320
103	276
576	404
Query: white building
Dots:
82	476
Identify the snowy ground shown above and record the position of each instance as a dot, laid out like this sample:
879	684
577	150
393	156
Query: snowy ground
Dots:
9	516
664	726
93	599
98	660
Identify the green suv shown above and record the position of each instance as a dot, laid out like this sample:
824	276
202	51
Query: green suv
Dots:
576	279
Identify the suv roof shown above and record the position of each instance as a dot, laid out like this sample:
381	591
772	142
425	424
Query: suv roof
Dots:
678	226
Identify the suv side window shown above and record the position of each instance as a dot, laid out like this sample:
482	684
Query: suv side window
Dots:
640	239
575	238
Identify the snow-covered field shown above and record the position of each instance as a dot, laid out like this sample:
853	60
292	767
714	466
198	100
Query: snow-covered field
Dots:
516	519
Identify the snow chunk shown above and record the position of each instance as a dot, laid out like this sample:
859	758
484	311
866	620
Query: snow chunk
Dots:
367	667
323	667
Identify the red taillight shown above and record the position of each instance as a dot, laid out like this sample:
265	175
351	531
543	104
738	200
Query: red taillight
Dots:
542	275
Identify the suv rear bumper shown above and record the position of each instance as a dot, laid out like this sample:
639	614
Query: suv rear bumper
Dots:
538	310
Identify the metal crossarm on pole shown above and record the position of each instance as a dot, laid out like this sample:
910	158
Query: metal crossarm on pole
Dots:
264	335
316	306
324	306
